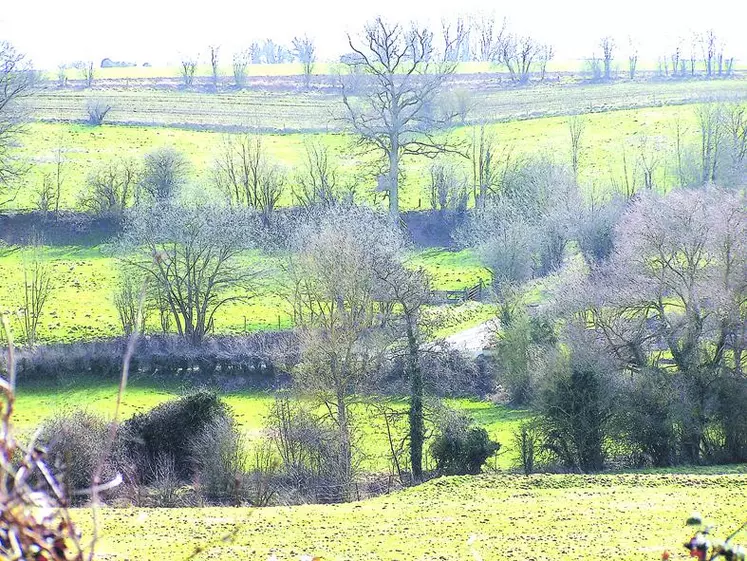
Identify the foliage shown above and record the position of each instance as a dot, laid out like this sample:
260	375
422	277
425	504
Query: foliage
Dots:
165	434
461	448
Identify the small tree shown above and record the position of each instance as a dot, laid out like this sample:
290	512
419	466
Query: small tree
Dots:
97	110
304	50
244	173
607	44
194	254
318	183
88	72
214	61
576	126
164	173
240	63
110	188
36	289
187	69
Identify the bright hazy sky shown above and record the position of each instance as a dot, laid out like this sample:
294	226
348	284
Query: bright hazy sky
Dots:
159	31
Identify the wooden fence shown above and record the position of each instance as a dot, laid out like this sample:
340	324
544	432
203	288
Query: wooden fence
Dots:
476	293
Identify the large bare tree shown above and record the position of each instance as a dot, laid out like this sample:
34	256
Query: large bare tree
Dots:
396	115
16	82
335	289
193	255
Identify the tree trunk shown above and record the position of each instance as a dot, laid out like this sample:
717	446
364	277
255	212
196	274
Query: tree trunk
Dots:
417	425
346	456
394	179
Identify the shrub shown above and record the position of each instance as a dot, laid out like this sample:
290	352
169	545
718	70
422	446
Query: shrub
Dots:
528	439
461	448
218	456
168	431
97	110
310	453
75	442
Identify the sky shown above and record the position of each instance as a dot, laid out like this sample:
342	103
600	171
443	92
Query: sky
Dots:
162	31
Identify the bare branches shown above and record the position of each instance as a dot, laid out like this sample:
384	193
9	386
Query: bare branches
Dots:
247	177
304	50
194	256
396	117
187	69
17	80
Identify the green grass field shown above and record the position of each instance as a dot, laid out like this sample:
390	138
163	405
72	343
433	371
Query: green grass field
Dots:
605	136
489	517
37	402
84	279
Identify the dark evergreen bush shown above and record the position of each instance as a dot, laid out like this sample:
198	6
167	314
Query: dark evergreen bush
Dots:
461	448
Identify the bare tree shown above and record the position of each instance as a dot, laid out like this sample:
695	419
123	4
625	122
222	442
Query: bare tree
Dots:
396	117
214	64
489	38
518	53
240	63
36	289
455	36
187	69
126	300
318	184
545	54
97	110
708	46
607	44
710	123
87	71
304	50
576	126
632	58
246	176
448	189
17	80
195	256
164	173
335	290
649	160
110	188
50	192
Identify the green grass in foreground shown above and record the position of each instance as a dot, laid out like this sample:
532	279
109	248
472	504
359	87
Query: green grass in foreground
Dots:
84	280
36	403
491	517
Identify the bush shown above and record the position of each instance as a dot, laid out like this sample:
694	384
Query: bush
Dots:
219	457
168	430
461	448
97	110
310	453
75	442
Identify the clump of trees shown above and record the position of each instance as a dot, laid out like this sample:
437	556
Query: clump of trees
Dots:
652	356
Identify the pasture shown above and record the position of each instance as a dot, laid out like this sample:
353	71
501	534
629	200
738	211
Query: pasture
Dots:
605	135
39	401
84	280
542	517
